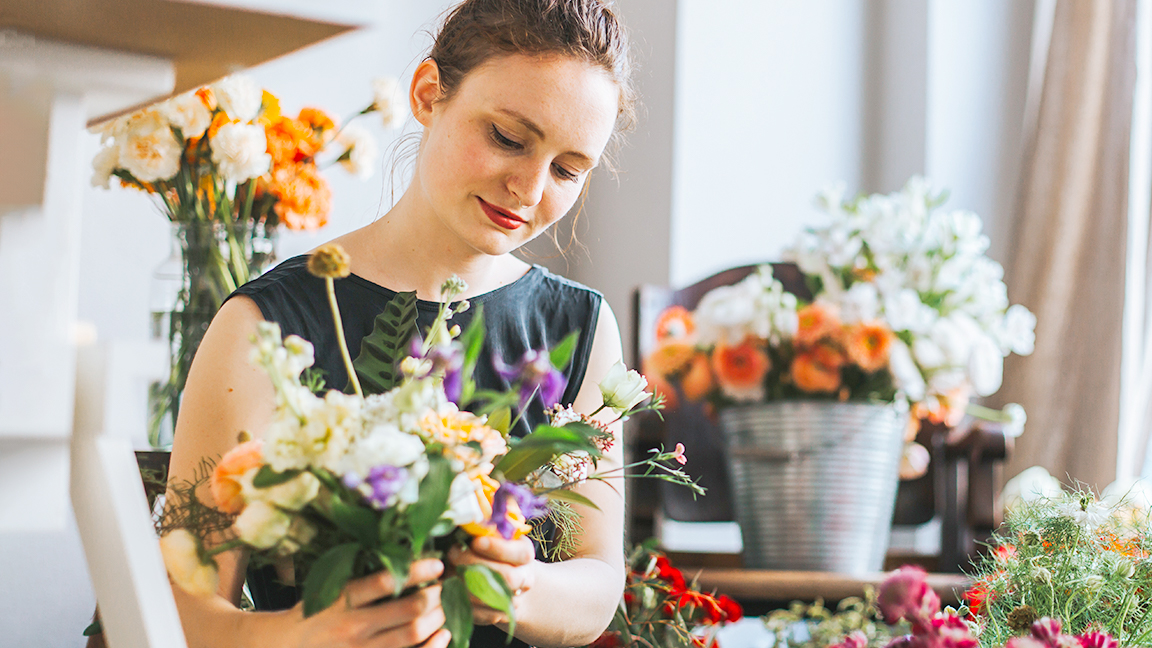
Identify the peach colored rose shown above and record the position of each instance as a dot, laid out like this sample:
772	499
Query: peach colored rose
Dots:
815	322
868	345
817	370
697	379
740	369
226	478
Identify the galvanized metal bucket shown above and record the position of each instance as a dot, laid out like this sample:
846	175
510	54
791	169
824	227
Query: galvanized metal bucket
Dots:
814	482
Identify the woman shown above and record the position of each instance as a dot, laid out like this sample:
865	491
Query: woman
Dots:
518	100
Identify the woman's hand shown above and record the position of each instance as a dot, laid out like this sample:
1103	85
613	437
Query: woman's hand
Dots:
365	617
512	559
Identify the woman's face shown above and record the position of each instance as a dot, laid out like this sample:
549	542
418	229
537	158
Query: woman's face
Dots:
509	153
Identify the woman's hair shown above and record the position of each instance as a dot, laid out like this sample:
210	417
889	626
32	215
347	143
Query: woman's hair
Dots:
476	31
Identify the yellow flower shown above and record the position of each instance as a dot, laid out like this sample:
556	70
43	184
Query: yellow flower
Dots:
330	262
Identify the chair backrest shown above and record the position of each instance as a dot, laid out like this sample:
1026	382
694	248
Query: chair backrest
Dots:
689	423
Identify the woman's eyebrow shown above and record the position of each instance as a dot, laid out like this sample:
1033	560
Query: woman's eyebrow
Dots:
539	132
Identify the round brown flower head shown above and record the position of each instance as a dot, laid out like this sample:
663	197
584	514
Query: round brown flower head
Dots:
330	262
1021	618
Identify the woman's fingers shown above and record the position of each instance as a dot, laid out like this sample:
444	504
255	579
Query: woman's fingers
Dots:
519	577
416	631
369	589
513	552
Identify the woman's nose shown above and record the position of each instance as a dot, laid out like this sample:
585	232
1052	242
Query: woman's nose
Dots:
527	183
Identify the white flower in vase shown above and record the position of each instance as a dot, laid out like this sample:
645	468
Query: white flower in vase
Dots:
103	165
239	97
240	152
985	366
188	113
149	150
361	153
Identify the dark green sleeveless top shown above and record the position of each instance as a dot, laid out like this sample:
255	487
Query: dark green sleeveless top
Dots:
534	312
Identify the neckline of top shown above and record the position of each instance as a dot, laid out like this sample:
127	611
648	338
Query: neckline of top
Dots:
533	271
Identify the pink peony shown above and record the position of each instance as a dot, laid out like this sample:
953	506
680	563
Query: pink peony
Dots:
905	594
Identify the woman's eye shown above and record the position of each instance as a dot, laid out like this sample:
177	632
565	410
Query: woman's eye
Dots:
564	174
503	140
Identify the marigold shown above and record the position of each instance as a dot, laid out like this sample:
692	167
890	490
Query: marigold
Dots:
225	481
321	129
817	370
303	197
868	345
814	323
740	369
675	323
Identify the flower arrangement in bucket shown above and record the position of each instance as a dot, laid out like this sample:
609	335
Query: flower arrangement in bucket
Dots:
228	169
906	313
413	460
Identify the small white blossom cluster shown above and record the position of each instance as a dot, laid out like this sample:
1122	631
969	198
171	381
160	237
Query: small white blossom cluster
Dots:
756	306
923	270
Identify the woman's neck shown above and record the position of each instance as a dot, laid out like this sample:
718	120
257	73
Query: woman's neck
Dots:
409	249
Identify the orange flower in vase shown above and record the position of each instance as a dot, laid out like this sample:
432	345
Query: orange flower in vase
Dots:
303	197
740	369
817	369
868	345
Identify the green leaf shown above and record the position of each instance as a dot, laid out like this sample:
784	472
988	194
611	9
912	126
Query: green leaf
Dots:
521	462
501	420
381	351
544	443
433	500
561	355
491	588
472	339
398	561
574	498
357	521
457	611
328	576
93	628
266	477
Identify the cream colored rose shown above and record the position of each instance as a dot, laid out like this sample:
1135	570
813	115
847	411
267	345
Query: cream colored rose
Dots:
149	150
292	495
623	388
239	97
240	151
103	165
180	550
262	525
188	113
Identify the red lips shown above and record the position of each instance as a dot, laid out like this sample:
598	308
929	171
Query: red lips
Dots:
501	217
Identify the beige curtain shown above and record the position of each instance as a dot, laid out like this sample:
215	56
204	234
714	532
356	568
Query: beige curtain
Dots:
1069	251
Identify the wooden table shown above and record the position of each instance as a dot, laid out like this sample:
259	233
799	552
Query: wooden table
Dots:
768	585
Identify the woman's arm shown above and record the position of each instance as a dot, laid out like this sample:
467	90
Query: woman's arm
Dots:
226	394
569	603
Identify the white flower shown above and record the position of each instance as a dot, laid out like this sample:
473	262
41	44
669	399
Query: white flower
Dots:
384	445
262	525
103	165
985	366
928	354
1017	417
1032	483
463	506
904	311
1019	331
291	495
360	150
623	388
727	313
947	380
180	550
188	113
389	100
860	304
240	151
238	96
149	150
905	373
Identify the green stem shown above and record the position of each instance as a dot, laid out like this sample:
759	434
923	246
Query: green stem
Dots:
331	285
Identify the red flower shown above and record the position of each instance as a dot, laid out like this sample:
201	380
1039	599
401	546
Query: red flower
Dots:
977	597
609	639
732	609
666	572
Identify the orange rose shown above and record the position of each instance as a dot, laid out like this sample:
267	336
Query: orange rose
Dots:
868	345
284	136
225	480
303	198
669	358
815	322
697	381
675	323
740	369
817	370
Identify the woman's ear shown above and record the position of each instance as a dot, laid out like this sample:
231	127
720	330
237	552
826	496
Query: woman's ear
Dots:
425	90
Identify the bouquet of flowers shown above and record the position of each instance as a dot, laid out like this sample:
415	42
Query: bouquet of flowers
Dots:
1073	557
228	168
415	459
906	308
661	609
912	608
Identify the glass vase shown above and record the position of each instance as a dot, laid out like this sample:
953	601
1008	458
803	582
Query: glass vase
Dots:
215	258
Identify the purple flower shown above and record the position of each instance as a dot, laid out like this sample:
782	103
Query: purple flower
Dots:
530	506
1098	640
381	486
535	373
905	594
447	360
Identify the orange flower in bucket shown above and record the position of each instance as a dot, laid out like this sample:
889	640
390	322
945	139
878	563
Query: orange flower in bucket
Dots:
697	380
740	369
670	358
815	322
868	345
675	323
817	370
225	482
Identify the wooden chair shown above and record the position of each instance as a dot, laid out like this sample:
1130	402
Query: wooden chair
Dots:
958	488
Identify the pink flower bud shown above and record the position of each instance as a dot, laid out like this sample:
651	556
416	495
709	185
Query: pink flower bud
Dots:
905	594
1024	642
